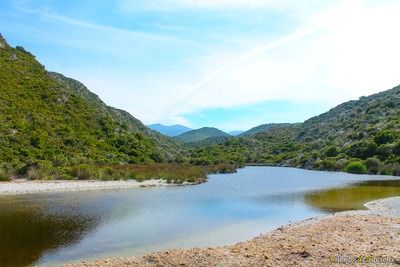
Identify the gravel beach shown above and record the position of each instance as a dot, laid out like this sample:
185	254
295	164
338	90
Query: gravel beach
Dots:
27	187
363	238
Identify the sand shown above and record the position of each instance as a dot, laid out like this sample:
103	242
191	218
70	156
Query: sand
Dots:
20	186
363	238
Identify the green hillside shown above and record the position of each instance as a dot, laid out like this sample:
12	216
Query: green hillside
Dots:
357	136
263	128
201	134
50	122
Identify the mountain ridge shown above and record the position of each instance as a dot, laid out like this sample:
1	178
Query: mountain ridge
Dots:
359	136
170	130
201	134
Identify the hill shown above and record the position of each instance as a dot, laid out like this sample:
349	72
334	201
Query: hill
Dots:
171	131
262	128
201	134
358	136
235	133
51	122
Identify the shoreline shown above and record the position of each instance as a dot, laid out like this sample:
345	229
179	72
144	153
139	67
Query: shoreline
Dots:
340	239
23	186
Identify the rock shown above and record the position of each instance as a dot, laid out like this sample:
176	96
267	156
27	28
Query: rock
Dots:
13	57
3	42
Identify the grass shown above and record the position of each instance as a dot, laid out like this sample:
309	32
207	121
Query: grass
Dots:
170	172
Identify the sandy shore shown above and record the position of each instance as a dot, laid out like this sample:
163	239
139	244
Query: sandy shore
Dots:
27	187
363	238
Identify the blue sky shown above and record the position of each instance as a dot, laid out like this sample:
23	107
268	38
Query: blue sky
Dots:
232	64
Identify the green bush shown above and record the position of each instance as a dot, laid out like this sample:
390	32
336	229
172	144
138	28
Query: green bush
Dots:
327	165
84	172
386	170
4	176
396	149
332	151
372	162
373	165
385	137
396	171
35	173
356	167
362	150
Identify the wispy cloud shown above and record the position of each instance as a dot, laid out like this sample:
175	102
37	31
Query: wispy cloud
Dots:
47	12
164	59
122	32
171	5
257	51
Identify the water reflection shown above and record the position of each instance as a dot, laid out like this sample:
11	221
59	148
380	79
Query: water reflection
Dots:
52	229
28	229
354	196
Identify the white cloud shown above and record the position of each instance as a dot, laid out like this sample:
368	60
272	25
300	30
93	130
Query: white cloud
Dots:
353	52
348	50
180	4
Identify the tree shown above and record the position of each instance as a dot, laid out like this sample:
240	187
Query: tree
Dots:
386	136
332	151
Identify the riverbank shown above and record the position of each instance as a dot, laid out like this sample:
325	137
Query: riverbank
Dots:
367	237
22	186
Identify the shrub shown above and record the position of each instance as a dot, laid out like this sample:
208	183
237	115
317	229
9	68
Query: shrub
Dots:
362	150
332	151
372	162
386	170
356	167
327	165
396	149
373	165
385	151
35	173
4	176
83	172
384	137
396	171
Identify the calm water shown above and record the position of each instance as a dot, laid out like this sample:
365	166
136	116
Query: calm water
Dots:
53	228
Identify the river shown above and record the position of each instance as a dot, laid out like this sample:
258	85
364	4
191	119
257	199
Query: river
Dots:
52	228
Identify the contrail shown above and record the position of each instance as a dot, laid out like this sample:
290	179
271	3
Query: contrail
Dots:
242	59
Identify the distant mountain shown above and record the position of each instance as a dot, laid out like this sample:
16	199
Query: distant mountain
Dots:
170	130
235	133
262	128
201	134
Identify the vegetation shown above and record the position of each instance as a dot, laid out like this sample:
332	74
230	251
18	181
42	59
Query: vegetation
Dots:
366	131
263	128
357	167
201	134
4	176
53	127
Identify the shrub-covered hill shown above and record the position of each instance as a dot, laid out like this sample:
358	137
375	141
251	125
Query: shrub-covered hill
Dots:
357	136
263	128
49	119
201	134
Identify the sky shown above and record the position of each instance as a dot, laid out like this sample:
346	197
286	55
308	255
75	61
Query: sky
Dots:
231	64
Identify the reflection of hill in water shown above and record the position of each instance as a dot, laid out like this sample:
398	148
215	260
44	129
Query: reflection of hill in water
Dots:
354	196
28	230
